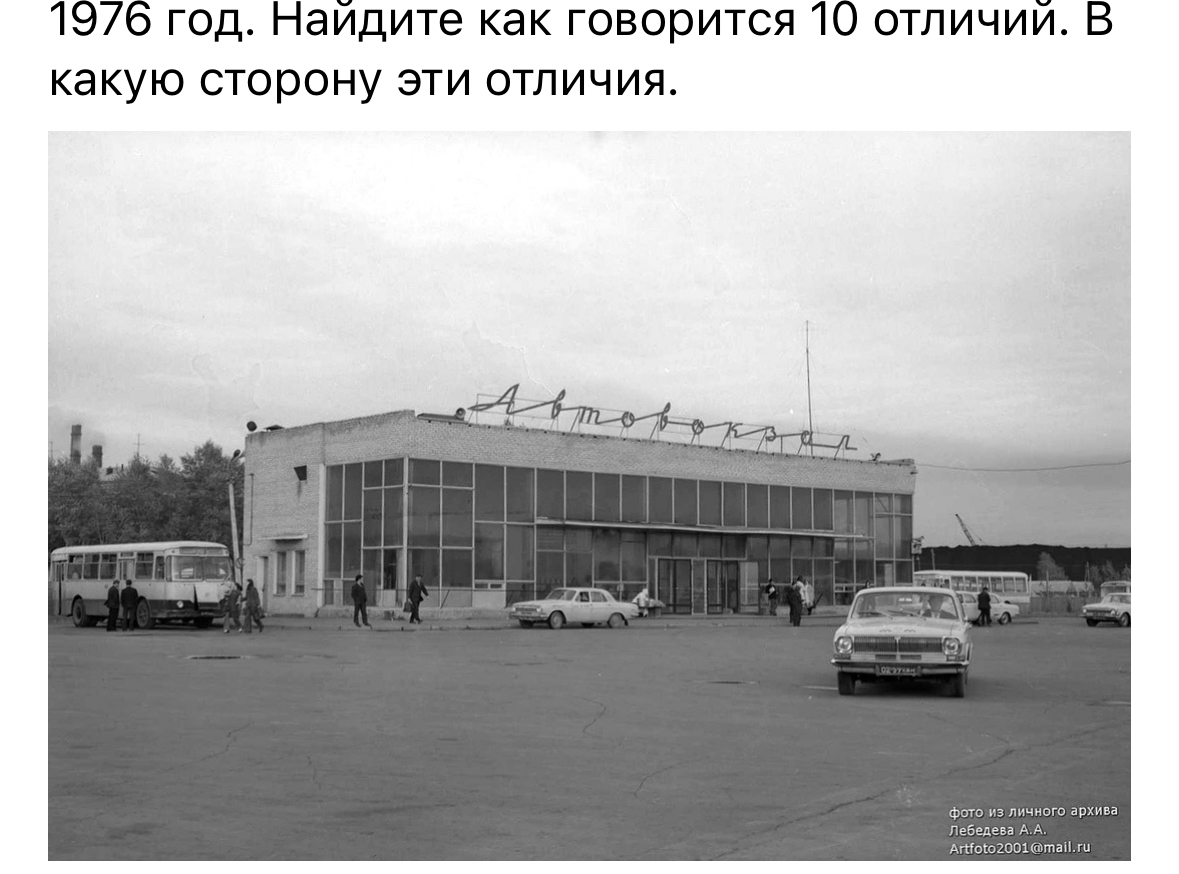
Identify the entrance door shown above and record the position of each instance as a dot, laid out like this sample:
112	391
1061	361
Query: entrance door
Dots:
723	579
674	584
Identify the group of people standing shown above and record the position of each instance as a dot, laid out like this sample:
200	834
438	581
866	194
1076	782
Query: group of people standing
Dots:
799	595
252	609
127	599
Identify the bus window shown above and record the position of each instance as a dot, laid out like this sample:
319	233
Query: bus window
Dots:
159	572
143	565
107	564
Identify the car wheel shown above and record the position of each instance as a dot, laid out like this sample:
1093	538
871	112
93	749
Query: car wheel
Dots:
525	623
78	612
143	617
958	685
847	683
1004	618
1092	623
1124	620
616	620
556	620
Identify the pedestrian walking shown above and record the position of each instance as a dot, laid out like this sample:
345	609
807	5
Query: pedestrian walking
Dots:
359	602
417	593
112	607
984	607
253	608
794	602
129	600
233	607
772	596
808	596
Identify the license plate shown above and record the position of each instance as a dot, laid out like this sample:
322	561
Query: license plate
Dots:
895	671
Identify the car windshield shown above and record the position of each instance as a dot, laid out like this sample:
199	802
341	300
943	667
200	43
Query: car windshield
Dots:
935	605
1118	599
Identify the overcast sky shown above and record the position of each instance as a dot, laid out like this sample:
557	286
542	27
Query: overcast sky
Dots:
968	296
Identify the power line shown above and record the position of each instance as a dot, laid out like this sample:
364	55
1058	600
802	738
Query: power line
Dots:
1025	469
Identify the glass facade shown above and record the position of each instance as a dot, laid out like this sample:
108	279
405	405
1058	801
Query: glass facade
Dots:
525	530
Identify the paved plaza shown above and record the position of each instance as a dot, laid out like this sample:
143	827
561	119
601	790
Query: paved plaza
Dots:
668	740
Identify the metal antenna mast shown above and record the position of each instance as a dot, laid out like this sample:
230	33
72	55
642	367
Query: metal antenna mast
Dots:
810	422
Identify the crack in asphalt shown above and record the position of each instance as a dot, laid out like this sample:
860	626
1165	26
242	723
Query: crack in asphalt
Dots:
596	718
1009	748
229	739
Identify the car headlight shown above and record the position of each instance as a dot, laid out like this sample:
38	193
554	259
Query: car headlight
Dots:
951	646
843	645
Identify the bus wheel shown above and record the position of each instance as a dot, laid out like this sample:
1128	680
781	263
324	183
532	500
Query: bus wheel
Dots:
78	612
143	617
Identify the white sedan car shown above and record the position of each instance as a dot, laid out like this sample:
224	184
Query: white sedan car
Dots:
1002	611
588	606
1114	607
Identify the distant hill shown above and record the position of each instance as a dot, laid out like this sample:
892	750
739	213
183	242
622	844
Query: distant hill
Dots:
1073	559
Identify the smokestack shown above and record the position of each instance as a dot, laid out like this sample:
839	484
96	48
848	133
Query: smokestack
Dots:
75	444
96	454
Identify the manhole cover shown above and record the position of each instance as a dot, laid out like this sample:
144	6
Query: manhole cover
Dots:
215	657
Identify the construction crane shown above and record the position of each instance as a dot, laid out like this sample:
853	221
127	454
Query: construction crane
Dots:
970	537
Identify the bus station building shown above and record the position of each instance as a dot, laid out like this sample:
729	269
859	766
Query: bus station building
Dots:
491	514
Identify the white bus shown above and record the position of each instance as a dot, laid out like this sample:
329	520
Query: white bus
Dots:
177	581
1008	585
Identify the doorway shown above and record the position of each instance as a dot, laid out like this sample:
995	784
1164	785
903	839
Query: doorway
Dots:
723	586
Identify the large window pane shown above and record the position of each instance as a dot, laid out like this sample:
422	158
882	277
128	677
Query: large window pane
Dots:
456	517
425	515
757	506
456	473
659	495
550	572
333	549
334	511
779	507
456	568
374	474
710	502
842	518
489	493
393	516
579	568
823	510
607	487
863	522
518	552
579	495
519	495
634	556
425	472
709	546
489	551
351	550
659	542
550	494
394	471
634	499
800	508
685	502
373	501
683	545
903	504
606	566
426	562
735	504
353	475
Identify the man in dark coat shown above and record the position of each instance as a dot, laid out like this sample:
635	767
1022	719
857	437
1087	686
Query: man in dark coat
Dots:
253	608
359	602
794	602
129	599
417	592
112	607
772	597
984	607
233	608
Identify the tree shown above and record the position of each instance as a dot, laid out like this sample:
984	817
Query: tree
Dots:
144	502
1047	569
